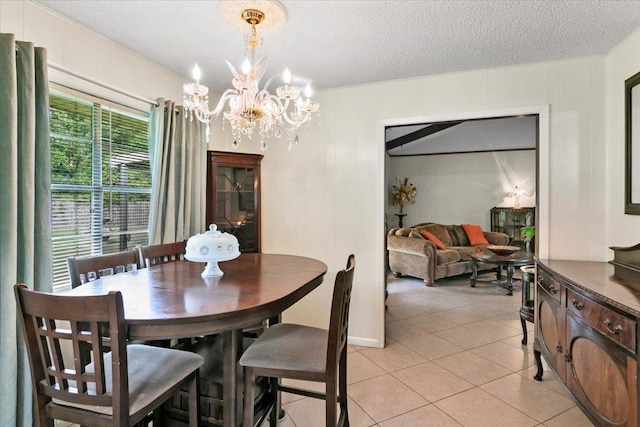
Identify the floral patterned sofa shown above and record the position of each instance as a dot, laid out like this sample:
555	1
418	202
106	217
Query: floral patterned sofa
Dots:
411	254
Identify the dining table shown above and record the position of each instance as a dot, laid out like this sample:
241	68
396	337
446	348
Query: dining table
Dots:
173	300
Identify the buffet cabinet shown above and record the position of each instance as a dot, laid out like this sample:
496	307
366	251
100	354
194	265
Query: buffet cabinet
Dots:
233	196
586	329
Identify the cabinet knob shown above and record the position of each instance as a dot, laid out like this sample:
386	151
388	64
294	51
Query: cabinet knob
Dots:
578	305
615	330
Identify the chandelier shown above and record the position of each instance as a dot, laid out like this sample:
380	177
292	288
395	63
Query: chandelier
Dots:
251	109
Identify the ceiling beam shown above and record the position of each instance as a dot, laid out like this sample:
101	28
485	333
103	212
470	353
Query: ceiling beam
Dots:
420	133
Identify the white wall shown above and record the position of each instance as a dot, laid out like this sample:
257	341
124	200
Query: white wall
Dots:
622	63
327	198
88	53
462	188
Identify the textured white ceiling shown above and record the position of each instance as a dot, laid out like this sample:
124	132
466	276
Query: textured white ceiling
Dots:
340	43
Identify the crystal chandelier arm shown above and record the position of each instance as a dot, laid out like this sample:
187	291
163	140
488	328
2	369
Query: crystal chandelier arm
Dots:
227	95
296	123
232	68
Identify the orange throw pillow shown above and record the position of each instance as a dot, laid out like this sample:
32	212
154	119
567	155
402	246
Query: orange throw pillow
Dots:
433	238
475	234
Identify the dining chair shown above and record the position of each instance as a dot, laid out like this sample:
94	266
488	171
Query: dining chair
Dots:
118	388
90	268
305	353
159	254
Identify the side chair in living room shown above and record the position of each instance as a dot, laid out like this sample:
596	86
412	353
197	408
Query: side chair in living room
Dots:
305	353
90	268
159	254
118	388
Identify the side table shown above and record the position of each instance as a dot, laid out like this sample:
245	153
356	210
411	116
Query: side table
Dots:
400	218
527	307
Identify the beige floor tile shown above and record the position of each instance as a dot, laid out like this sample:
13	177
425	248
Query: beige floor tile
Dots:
512	358
495	330
360	368
516	341
306	385
461	315
393	357
529	396
407	297
385	397
351	349
477	408
573	417
432	381
549	379
465	337
403	311
431	323
440	304
426	416
402	329
473	368
310	412
513	320
430	346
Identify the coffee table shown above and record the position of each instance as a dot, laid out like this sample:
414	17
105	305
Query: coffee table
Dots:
517	259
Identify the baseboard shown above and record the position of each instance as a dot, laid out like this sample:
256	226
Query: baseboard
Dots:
364	342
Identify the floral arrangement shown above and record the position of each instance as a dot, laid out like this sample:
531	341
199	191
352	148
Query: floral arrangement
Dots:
403	193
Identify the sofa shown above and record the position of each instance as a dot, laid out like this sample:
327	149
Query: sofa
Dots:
411	254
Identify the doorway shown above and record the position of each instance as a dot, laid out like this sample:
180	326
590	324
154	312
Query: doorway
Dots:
541	115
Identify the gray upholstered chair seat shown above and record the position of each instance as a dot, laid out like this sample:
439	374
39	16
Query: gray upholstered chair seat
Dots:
152	371
289	347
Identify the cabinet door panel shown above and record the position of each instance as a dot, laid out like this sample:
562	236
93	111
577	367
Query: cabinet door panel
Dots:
598	375
549	331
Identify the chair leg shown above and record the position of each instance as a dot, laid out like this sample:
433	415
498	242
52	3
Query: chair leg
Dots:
248	397
194	400
331	402
342	390
275	395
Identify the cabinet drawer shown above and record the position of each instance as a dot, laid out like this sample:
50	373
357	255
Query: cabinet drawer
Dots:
550	285
619	328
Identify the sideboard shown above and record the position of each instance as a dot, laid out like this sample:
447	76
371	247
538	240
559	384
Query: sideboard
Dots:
586	328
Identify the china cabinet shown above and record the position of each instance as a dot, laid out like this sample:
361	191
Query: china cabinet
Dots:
233	196
510	221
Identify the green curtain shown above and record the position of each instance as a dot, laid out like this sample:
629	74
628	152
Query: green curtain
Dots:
25	220
178	151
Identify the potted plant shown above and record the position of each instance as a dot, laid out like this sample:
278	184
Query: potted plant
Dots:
528	232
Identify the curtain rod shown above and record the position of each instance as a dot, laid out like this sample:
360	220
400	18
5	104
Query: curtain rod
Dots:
101	84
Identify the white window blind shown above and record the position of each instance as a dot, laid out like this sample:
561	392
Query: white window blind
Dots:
100	179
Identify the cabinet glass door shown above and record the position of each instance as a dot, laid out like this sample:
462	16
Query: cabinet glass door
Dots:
235	204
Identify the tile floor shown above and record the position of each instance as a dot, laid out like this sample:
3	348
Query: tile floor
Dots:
453	357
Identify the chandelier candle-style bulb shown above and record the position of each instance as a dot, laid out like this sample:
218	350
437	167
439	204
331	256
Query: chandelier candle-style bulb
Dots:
197	74
307	91
246	66
251	109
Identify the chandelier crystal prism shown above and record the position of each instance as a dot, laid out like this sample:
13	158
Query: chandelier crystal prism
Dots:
251	109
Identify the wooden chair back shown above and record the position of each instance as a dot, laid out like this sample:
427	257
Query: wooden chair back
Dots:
159	254
339	320
88	269
53	377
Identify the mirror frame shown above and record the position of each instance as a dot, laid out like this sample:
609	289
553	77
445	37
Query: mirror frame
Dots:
630	207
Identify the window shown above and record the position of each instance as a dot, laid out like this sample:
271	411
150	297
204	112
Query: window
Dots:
100	179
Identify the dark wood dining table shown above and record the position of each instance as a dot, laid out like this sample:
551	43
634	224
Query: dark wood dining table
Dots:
172	300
